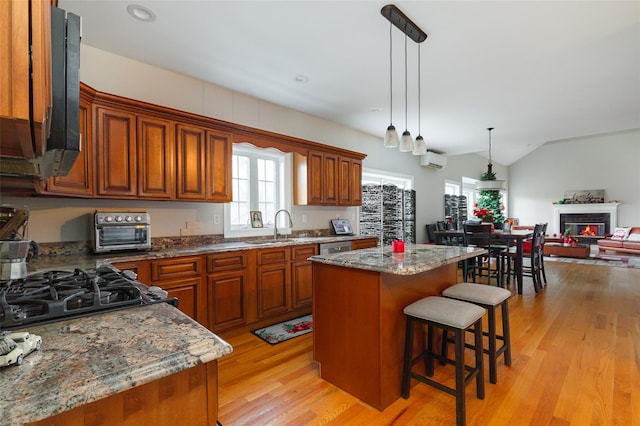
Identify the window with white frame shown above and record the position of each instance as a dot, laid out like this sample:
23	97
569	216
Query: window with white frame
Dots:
259	179
451	187
382	177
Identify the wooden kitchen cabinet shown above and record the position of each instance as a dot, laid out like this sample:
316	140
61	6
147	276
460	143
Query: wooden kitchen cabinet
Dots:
203	164
116	152
228	286
364	243
25	77
80	180
302	275
273	281
181	277
135	155
142	269
327	179
156	158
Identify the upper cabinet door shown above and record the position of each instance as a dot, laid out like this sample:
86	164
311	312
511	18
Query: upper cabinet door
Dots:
356	182
330	179
191	164
156	158
116	152
344	181
219	151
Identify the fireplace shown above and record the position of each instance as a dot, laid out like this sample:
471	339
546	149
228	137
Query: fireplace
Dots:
596	219
586	224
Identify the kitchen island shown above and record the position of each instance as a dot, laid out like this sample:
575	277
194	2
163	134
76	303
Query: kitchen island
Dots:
144	365
358	298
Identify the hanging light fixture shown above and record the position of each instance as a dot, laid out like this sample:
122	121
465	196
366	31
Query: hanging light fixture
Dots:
419	146
411	30
406	142
491	183
391	136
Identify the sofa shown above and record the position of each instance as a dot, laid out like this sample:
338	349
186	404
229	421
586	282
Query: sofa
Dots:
623	240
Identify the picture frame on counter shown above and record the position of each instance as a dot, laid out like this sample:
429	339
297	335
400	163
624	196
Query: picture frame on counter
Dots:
256	219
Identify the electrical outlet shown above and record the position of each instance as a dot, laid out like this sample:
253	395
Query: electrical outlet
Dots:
304	218
216	219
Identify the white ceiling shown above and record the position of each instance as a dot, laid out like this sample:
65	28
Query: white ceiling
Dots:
537	71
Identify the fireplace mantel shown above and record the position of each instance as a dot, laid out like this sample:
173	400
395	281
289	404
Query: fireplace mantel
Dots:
611	208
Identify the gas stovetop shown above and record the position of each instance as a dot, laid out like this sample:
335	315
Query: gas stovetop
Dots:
53	295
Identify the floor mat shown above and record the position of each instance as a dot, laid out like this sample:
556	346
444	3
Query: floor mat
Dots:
285	330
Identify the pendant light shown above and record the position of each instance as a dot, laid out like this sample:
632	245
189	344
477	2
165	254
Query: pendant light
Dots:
391	136
419	146
406	142
491	184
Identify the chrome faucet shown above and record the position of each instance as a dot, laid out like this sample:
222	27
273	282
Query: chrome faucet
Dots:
275	222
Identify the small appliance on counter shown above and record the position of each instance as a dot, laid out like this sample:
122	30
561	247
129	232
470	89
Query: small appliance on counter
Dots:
14	250
115	230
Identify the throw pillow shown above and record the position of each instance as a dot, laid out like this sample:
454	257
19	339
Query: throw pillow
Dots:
620	233
634	237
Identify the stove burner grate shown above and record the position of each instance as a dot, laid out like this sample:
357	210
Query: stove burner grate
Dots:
51	295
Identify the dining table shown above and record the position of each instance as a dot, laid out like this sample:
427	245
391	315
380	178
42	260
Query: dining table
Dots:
518	236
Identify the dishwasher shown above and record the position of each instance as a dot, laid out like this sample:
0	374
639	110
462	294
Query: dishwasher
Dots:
337	247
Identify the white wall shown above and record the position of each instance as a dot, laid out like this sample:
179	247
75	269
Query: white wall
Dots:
610	162
54	219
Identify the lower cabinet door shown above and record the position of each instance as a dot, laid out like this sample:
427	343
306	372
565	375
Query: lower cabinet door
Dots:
301	284
273	289
227	299
186	291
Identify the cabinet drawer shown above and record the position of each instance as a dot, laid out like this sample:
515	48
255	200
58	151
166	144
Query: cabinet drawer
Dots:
362	244
180	267
273	255
303	252
227	261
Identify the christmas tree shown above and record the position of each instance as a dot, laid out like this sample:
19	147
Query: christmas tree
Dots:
490	199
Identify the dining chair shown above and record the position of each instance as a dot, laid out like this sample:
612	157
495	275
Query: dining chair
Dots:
478	235
531	259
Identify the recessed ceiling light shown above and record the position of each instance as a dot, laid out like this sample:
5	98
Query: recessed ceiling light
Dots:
302	79
141	13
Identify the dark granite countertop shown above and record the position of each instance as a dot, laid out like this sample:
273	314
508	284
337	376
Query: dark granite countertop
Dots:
86	359
70	262
415	259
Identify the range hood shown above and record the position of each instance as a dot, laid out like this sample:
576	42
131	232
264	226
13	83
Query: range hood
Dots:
23	158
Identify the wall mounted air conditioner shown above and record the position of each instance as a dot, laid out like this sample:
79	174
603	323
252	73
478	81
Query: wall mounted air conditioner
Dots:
433	160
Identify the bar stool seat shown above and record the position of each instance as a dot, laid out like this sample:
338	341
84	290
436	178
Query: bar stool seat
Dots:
490	298
454	316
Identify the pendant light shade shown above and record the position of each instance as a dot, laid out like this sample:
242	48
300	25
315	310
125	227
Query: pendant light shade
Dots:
419	146
406	142
491	184
391	139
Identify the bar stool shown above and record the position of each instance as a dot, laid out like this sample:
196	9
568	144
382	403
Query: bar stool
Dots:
490	298
448	315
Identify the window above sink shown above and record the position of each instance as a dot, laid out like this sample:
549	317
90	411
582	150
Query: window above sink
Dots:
261	179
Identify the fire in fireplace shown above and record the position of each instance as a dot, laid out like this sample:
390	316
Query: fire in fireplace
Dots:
585	224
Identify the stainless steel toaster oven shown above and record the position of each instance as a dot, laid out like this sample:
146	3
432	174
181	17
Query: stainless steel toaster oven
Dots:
121	230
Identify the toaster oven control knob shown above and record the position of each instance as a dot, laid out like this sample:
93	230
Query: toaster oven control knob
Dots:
128	219
118	218
108	219
138	218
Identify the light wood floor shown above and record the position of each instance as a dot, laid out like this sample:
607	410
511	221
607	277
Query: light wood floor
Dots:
576	361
